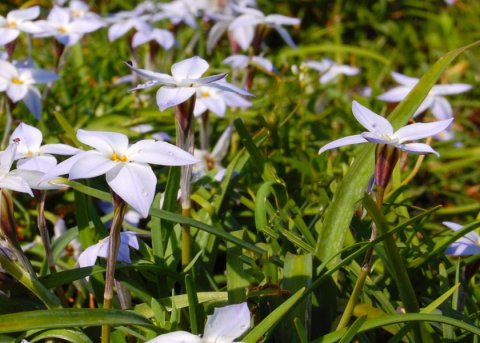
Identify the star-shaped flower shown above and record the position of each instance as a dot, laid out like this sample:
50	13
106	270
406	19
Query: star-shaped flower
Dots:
184	81
90	255
243	61
19	84
464	246
216	101
66	29
213	160
226	324
435	99
252	17
380	131
330	70
31	154
18	21
126	166
148	33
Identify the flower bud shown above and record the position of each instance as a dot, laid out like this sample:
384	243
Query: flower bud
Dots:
386	157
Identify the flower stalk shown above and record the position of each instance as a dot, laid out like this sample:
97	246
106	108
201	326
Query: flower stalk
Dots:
120	208
185	140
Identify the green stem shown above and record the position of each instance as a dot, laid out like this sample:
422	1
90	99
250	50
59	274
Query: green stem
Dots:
120	208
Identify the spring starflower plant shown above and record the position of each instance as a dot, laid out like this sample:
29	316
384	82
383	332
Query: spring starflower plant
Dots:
224	326
380	131
435	100
182	84
126	167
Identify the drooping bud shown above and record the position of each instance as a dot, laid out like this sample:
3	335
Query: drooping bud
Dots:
386	157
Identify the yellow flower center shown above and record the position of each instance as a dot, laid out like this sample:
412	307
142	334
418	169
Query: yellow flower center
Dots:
12	24
17	81
205	94
62	29
116	158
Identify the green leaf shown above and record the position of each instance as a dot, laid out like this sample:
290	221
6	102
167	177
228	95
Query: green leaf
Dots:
339	214
272	319
398	319
67	318
64	334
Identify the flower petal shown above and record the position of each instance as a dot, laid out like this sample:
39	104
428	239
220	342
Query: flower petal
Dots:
454	88
356	139
418	148
395	94
441	108
119	29
245	20
215	104
161	153
43	163
191	68
227	323
59	149
404	79
104	141
216	32
427	102
373	137
176	337
88	257
453	226
169	96
279	19
15	183
33	101
285	35
24	14
370	120
38	75
129	238
17	92
422	130
8	35
221	148
207	80
159	77
135	184
90	164
236	61
27	138
229	87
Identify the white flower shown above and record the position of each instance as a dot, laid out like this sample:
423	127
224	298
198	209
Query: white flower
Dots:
8	179
67	30
330	70
213	160
252	17
18	21
435	99
90	255
124	22
147	33
31	154
126	166
464	246
226	324
35	160
177	11
185	79
216	101
243	61
380	131
19	84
